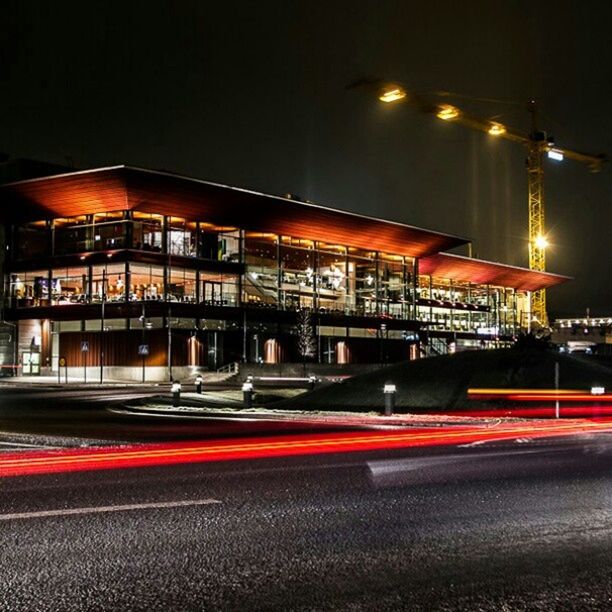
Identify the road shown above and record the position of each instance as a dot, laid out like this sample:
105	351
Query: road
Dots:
502	526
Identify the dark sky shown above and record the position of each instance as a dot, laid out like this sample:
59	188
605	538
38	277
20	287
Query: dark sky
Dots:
252	94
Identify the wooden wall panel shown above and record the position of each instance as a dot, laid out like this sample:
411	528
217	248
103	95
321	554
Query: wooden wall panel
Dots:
121	348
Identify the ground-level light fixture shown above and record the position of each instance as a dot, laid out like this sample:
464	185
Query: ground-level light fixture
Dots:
597	390
392	93
446	112
389	391
496	129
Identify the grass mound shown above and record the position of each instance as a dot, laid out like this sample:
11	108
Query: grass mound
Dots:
441	383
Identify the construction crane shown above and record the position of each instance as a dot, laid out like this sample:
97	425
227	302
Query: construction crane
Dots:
538	144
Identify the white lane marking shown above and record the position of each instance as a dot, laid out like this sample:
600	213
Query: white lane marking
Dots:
100	509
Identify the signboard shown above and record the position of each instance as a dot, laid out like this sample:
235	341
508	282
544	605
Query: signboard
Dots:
143	350
62	362
84	346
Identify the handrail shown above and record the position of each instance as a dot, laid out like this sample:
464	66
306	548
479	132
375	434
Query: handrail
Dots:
230	368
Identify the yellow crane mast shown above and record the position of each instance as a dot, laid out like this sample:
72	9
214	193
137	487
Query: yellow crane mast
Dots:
538	145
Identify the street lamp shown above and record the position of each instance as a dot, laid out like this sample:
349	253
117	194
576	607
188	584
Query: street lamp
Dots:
497	129
392	93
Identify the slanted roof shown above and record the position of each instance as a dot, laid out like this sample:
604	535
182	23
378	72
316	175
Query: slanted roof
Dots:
478	271
123	187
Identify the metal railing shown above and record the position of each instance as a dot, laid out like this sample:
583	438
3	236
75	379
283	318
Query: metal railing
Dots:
230	368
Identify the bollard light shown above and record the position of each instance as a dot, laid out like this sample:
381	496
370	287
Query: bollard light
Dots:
198	381
176	394
389	391
247	393
311	382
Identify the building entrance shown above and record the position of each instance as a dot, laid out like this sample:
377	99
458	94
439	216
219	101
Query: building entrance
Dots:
30	364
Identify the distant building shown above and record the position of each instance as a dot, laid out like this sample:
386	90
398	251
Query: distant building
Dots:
584	335
112	269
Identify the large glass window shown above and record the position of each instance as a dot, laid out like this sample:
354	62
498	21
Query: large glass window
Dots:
261	279
146	282
99	232
32	240
391	285
72	235
218	289
147	231
108	283
331	277
219	243
29	288
109	231
182	237
361	282
181	285
70	285
298	266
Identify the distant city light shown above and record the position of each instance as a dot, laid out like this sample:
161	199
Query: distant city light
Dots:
497	129
447	112
392	93
555	154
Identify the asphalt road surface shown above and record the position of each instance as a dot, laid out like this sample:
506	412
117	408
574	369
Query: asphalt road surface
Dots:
514	526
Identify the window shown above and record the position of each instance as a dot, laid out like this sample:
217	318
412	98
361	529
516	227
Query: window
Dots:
219	243
29	288
72	235
298	266
70	286
181	285
148	231
108	283
182	237
218	289
146	282
332	278
261	279
108	231
32	240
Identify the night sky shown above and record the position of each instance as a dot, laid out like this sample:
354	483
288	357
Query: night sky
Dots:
253	94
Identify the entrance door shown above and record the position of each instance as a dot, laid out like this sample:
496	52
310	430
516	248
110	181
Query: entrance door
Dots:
31	364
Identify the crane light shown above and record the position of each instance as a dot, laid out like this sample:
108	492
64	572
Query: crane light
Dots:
496	129
447	112
392	93
555	154
541	242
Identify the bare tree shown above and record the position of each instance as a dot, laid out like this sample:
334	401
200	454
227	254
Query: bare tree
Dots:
307	344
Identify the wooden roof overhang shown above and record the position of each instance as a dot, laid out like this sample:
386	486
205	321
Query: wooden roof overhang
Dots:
122	187
464	269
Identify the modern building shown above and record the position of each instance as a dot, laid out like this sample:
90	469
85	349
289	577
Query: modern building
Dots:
122	272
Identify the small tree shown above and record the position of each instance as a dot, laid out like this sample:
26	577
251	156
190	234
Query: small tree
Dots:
307	345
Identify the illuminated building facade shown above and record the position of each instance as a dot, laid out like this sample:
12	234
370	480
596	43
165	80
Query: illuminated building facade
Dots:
112	269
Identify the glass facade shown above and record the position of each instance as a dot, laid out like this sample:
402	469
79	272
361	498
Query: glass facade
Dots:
280	272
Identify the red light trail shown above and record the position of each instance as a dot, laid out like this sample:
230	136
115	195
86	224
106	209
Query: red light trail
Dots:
48	462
